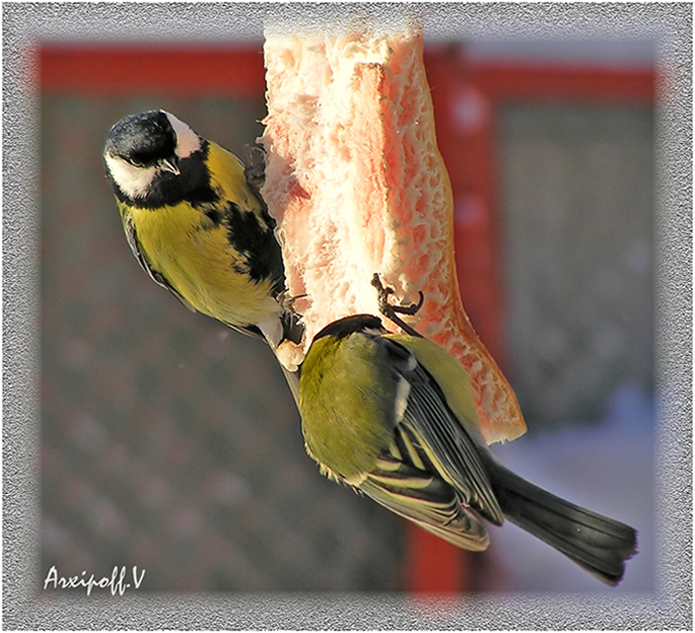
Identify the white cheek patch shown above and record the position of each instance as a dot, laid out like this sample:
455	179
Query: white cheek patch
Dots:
133	181
187	141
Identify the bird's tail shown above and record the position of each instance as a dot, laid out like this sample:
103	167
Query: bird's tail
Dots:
598	544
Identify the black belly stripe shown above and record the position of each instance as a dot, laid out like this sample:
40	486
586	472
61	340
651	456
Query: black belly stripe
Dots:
257	244
214	215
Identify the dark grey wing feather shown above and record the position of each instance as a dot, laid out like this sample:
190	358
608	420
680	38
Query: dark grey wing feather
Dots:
441	441
427	500
444	441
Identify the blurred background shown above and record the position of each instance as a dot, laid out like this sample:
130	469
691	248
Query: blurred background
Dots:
172	443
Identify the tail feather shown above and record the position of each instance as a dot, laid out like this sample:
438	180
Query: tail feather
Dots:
598	544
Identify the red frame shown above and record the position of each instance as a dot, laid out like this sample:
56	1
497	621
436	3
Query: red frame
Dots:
466	99
133	69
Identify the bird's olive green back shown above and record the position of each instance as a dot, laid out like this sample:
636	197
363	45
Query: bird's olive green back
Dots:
347	398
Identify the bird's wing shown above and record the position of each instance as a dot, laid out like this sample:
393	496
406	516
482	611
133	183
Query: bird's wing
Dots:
427	500
432	439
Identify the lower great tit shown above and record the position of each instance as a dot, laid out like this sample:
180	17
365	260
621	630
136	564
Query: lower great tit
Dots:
196	223
392	416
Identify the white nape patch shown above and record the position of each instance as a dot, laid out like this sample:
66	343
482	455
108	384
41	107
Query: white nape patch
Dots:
402	393
370	331
133	181
187	141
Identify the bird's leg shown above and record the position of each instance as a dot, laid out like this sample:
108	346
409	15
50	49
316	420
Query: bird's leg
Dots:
391	312
292	320
287	301
254	167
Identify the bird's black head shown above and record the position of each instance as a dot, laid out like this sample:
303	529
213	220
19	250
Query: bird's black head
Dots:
143	139
153	159
351	324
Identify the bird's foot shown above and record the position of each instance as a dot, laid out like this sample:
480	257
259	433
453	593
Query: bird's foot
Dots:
391	312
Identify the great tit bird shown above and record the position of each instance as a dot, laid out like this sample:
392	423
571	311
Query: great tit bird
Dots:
392	416
195	221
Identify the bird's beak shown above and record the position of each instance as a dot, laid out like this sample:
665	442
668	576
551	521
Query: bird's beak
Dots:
170	164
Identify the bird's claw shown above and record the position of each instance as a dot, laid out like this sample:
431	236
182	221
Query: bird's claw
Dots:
254	167
287	301
391	312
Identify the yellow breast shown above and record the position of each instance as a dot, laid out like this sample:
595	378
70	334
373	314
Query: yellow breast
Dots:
196	258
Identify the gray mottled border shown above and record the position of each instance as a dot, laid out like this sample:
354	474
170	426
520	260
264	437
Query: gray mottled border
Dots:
25	608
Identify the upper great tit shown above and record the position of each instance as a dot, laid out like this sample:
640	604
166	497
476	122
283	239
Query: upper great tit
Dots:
392	416
197	225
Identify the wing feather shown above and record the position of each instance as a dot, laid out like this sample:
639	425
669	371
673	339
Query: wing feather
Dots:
436	441
427	500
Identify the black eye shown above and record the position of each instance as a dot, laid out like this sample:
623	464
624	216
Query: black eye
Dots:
139	159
